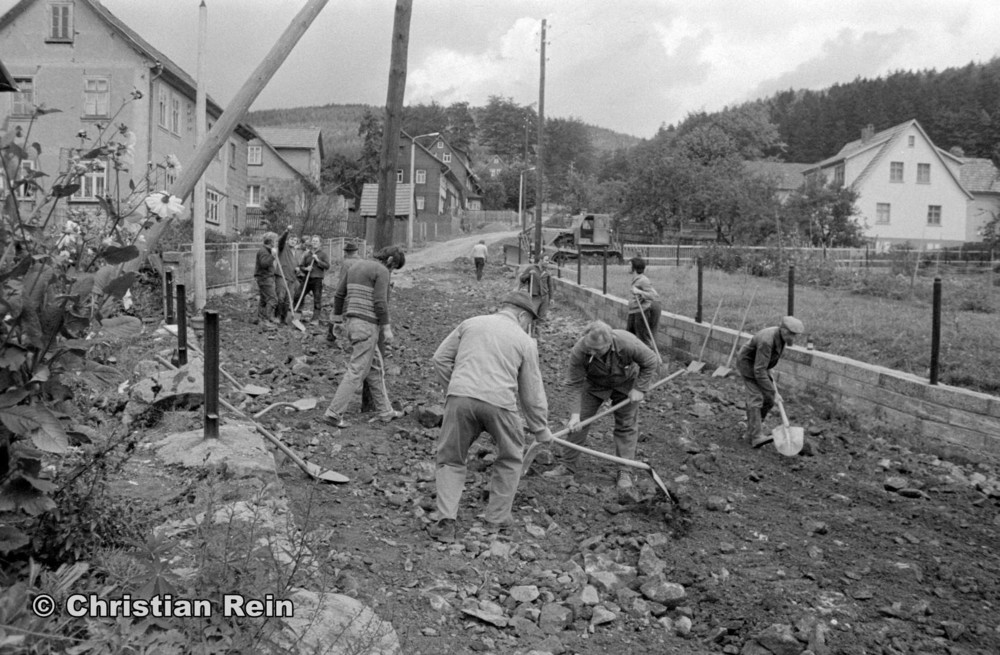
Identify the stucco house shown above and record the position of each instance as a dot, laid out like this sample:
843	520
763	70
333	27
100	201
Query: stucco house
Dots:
76	56
909	190
981	178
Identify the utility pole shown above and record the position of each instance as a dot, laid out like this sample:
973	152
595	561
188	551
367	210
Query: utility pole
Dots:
539	162
199	199
385	209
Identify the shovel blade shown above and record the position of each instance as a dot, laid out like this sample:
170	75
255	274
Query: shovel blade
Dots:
721	372
788	440
255	390
315	471
298	325
305	404
695	367
529	457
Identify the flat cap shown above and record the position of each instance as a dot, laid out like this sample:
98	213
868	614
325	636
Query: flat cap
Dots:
793	325
350	246
522	300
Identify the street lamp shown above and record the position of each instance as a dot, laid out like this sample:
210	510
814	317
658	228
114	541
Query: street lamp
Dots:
520	207
413	188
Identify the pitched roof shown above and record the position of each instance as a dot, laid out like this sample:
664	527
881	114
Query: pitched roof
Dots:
131	37
786	176
304	179
369	199
291	137
979	175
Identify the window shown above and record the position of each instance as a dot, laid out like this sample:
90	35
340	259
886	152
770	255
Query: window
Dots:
923	173
93	185
934	215
882	213
399	176
212	203
910	140
175	114
420	203
254	155
232	154
421	176
896	171
838	175
234	225
163	102
96	96
22	103
446	157
440	144
253	195
61	23
24	191
494	172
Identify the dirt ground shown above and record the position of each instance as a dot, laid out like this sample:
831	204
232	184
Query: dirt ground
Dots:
859	547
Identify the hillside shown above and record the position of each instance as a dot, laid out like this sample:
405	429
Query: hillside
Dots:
339	124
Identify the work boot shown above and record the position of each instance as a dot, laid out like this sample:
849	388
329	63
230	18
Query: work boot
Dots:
390	415
560	471
753	424
335	420
761	439
624	480
443	530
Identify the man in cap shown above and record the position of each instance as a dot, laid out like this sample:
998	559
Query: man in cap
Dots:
286	283
755	361
607	364
314	264
363	298
351	257
489	363
537	281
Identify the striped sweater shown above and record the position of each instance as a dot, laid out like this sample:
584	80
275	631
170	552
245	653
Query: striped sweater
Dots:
364	293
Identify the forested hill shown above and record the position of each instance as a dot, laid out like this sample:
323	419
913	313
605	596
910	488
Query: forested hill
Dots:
956	107
339	124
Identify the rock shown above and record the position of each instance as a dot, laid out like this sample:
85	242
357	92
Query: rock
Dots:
424	471
430	417
682	626
548	646
895	483
555	618
602	615
779	640
666	593
488	611
606	574
649	563
335	624
658	539
953	629
589	595
535	531
525	627
715	503
524	593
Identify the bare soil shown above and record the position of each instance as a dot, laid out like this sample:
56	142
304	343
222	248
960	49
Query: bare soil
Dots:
829	547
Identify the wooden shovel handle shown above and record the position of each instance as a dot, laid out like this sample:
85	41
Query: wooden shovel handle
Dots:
739	332
711	326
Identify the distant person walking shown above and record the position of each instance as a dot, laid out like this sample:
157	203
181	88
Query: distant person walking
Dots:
643	305
479	258
491	367
755	362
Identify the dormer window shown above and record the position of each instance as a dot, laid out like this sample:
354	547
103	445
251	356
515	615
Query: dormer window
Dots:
446	157
61	22
440	144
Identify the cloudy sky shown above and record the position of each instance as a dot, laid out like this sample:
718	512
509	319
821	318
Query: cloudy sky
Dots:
629	65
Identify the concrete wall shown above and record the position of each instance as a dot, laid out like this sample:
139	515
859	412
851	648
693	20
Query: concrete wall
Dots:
943	420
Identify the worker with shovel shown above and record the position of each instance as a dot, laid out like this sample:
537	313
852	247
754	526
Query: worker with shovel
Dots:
263	273
285	282
490	364
362	297
756	359
607	364
643	306
351	257
537	281
314	265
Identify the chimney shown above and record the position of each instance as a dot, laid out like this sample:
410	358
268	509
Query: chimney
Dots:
867	132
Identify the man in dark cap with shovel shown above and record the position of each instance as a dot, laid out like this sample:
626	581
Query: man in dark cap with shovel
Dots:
489	364
755	361
607	364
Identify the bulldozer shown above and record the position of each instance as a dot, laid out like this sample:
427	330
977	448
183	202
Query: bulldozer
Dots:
588	236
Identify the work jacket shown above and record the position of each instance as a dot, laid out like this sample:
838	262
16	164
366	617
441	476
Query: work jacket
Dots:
760	355
628	364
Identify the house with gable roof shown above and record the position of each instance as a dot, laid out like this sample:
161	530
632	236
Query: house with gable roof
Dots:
78	57
909	190
981	178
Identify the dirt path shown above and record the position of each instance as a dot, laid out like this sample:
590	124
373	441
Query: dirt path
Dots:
447	251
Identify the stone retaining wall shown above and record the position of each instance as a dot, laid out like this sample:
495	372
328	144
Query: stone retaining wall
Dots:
943	420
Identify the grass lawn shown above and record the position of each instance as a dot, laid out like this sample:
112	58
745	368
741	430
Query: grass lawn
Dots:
888	331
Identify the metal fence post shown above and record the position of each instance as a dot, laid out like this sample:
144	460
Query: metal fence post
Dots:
579	265
182	356
678	257
168	281
936	331
791	289
697	311
604	271
211	376
235	261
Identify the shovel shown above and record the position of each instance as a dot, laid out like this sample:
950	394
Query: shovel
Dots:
312	470
302	405
291	310
723	371
535	448
652	337
620	460
788	440
302	294
698	364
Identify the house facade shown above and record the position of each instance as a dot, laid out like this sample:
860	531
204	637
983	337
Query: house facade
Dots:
981	178
77	57
449	185
495	166
909	190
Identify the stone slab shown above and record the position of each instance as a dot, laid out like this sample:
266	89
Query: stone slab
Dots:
239	447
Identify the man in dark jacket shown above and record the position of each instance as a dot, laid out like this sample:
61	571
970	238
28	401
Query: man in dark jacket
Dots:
285	282
607	364
316	262
756	359
263	273
537	281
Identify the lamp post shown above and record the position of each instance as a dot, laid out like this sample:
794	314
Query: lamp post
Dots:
520	200
413	188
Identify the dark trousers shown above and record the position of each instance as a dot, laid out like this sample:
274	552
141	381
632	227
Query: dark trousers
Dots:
268	300
637	326
314	285
480	265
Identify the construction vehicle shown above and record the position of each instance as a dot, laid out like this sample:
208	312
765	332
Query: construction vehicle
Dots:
588	236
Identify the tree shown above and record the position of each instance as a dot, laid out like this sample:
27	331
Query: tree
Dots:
424	119
370	130
567	148
507	128
461	127
825	213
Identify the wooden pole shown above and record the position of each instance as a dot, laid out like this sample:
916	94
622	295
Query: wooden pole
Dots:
539	160
211	375
233	114
198	207
385	208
